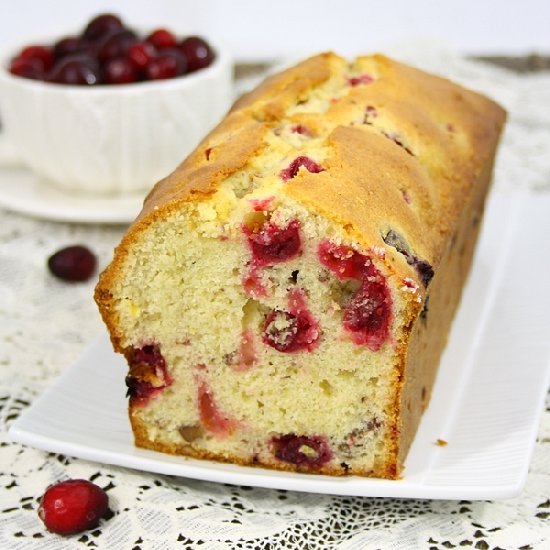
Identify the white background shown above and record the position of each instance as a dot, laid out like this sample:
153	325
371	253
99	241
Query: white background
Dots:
273	28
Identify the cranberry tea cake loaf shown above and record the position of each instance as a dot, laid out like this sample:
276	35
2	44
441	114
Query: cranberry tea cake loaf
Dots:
285	294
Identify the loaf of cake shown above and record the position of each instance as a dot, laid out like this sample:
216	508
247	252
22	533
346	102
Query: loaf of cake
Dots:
284	297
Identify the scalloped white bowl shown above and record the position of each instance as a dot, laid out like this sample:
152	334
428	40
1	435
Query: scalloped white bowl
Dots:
112	139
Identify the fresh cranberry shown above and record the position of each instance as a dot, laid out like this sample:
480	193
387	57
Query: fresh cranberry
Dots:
368	314
167	64
67	46
148	374
301	450
75	69
119	71
197	52
140	53
115	44
73	263
272	244
363	79
101	25
292	170
162	39
212	418
27	68
293	330
73	506
42	54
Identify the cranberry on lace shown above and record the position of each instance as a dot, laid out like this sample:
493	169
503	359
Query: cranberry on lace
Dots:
292	170
300	450
301	129
73	506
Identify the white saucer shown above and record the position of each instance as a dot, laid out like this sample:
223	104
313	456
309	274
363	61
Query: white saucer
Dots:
22	191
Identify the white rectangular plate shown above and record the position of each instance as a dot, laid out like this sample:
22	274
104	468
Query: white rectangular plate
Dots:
486	404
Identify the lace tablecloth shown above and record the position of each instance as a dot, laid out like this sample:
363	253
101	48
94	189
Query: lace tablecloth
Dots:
45	324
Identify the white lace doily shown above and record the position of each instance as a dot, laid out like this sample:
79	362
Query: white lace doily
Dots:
45	325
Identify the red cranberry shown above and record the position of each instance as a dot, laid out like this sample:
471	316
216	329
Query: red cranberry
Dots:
272	244
368	314
197	52
167	64
119	71
148	374
292	170
301	130
343	261
363	79
293	330
42	54
73	263
115	44
73	506
140	53
67	46
162	39
27	68
300	450
367	317
75	69
101	25
212	418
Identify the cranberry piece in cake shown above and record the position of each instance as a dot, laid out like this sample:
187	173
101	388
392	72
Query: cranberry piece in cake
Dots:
292	170
343	261
367	316
272	244
148	374
293	330
269	244
300	450
362	79
212	418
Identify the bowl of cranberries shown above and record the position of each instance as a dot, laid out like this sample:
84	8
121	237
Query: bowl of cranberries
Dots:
111	109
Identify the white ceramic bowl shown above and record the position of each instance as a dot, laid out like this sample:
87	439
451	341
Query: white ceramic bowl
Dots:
112	139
